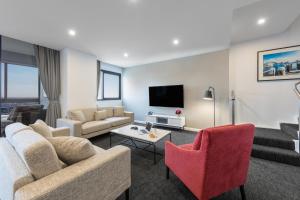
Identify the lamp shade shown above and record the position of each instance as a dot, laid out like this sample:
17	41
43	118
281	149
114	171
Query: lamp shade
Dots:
208	95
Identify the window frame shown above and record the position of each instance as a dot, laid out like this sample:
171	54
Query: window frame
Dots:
103	85
18	100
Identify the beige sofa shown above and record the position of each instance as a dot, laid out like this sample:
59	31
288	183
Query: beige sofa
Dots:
105	175
90	127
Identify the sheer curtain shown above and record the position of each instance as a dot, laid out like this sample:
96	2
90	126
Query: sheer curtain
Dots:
48	62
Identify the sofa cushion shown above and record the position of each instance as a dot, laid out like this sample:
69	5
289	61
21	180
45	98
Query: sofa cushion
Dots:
12	129
117	121
100	115
72	149
118	112
41	128
77	115
37	153
109	111
89	113
94	126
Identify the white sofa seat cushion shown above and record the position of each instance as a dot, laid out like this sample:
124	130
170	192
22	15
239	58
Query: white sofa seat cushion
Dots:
37	153
94	126
117	121
72	149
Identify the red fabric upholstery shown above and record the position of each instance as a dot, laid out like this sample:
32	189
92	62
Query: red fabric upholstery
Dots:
221	164
197	141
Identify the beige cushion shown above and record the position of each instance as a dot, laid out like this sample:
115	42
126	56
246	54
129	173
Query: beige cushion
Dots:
109	111
89	113
72	149
100	115
118	112
77	115
37	153
94	126
117	121
42	128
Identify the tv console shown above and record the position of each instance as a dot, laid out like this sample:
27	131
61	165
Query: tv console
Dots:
166	120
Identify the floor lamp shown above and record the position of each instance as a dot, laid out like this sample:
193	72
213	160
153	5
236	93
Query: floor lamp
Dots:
211	95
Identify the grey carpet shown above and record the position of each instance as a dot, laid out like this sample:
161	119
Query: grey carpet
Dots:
267	180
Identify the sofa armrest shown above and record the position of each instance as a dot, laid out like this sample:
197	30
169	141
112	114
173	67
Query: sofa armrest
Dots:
103	176
74	126
129	114
61	131
184	163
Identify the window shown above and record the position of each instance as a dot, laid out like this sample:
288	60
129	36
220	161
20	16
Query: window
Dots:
109	86
19	83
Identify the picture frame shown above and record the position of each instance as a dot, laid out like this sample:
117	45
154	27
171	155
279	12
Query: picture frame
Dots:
278	64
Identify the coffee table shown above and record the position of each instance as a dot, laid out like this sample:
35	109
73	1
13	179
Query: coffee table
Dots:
137	136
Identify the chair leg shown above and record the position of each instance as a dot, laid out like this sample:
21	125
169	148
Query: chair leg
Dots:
242	189
127	194
167	173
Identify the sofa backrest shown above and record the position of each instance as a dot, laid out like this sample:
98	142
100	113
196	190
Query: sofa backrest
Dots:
109	111
89	113
13	171
117	111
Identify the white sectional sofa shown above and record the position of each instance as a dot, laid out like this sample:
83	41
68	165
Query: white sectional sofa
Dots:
31	170
84	122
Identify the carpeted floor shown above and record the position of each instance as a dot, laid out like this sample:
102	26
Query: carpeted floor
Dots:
266	181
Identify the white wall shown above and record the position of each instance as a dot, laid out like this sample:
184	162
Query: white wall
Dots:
196	73
112	68
265	104
78	80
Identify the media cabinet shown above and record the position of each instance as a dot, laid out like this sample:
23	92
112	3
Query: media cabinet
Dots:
166	120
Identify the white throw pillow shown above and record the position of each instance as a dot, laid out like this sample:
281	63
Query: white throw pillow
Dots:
41	128
100	115
72	149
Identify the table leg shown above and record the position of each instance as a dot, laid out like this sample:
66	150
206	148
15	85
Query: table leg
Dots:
154	153
170	137
109	139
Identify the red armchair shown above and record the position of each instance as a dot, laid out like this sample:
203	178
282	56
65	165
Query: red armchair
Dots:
216	162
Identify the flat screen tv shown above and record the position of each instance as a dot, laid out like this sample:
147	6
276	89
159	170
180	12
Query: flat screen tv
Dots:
166	96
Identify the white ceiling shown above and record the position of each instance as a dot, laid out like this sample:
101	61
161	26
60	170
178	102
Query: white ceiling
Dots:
279	15
142	28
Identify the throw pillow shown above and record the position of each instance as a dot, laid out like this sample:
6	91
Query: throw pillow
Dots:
77	116
118	111
100	115
197	141
42	128
72	149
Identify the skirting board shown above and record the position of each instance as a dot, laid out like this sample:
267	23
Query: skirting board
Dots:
185	128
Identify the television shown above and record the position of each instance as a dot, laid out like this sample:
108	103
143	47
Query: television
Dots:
166	96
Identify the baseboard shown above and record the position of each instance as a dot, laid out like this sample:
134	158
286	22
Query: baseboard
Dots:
185	128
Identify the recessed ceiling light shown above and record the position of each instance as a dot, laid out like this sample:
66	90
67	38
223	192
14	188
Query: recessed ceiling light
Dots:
126	55
176	42
261	21
72	32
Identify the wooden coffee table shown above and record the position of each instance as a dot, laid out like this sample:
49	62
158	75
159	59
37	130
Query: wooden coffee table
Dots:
137	136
